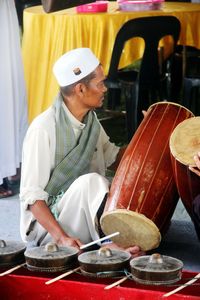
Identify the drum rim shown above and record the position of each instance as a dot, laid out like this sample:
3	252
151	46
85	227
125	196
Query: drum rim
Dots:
142	217
172	103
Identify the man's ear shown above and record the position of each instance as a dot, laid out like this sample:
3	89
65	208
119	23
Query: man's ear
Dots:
80	89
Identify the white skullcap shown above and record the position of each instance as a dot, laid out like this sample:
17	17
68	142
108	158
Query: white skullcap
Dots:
74	65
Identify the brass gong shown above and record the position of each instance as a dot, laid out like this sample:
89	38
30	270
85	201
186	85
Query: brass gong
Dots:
156	269
11	253
51	258
104	262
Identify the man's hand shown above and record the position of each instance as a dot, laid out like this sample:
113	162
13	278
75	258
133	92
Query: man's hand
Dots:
196	169
69	242
144	112
43	215
135	251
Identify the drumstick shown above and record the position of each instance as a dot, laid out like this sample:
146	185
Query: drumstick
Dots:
61	276
115	283
182	286
99	240
12	269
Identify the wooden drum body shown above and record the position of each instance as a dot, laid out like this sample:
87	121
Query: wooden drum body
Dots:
144	181
184	144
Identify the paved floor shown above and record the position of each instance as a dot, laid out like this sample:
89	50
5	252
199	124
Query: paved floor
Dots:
180	241
9	218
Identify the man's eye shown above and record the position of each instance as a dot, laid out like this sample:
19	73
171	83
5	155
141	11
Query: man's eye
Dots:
102	84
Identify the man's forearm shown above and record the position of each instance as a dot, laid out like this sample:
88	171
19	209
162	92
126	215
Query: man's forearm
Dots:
43	215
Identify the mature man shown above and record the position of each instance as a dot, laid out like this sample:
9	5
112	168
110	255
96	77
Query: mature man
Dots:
65	156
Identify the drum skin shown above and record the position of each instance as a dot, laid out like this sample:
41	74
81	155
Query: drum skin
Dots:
144	180
187	182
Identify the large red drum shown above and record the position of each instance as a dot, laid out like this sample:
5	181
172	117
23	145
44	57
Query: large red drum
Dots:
144	181
184	144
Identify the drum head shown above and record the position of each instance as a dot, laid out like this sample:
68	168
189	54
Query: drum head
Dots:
134	229
185	141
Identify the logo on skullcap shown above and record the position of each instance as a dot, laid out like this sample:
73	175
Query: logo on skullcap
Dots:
77	71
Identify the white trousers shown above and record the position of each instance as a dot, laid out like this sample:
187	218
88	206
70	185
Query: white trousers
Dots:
77	210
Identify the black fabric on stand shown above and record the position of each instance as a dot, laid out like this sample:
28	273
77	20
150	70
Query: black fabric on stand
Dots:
55	5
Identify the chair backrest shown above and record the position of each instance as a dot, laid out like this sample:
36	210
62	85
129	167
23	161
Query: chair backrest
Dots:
152	30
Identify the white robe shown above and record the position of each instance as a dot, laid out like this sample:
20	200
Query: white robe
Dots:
13	104
78	207
77	211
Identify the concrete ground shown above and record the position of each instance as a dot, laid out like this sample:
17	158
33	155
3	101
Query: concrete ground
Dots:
180	241
9	218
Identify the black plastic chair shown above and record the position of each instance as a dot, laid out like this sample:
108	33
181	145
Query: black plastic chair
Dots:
185	73
144	87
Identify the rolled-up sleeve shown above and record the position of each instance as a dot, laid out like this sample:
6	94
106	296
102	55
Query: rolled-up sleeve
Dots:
36	164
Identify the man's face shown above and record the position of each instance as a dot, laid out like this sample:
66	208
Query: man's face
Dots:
93	95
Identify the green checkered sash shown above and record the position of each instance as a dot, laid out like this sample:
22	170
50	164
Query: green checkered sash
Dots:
72	157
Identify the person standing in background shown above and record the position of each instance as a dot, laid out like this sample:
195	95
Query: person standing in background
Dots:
13	112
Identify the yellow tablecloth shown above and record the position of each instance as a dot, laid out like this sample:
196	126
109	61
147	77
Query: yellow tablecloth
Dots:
47	36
